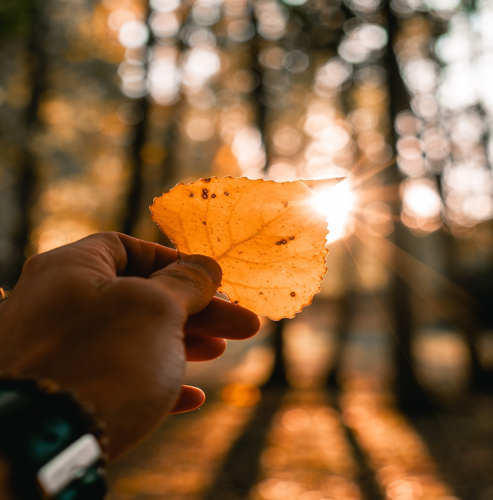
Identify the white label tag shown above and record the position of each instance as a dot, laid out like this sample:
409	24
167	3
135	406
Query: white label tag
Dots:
70	464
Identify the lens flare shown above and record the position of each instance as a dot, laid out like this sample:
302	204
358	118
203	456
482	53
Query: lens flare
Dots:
338	204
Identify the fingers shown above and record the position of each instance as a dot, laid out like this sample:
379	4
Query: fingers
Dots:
205	332
110	254
223	319
190	398
192	281
131	256
201	348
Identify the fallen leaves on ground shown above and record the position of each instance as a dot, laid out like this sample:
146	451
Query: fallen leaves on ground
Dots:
266	235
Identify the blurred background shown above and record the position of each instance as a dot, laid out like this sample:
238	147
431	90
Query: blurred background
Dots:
383	387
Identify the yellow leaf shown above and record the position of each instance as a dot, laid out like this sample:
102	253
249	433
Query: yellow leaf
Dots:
266	235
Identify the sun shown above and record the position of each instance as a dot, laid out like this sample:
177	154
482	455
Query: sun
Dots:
337	204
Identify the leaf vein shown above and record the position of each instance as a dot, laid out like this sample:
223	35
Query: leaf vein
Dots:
207	227
231	213
248	238
184	233
256	287
246	261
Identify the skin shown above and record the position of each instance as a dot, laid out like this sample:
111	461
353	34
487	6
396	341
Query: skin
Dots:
115	320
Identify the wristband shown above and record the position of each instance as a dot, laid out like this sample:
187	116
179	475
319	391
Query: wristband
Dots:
54	444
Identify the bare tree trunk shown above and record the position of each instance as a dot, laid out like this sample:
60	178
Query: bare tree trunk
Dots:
134	197
409	393
26	182
278	376
345	311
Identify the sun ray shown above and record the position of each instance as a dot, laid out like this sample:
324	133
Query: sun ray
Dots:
389	192
416	275
357	165
373	396
375	299
372	172
365	211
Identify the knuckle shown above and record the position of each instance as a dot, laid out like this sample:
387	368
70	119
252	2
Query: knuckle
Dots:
110	237
35	264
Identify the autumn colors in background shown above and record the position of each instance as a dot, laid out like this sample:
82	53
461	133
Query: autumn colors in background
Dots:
106	104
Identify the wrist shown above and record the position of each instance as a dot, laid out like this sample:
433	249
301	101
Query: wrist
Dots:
49	443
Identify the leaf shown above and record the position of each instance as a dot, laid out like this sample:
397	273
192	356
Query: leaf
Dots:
267	237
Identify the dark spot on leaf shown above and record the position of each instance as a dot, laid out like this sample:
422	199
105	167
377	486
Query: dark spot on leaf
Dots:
207	180
261	293
203	222
226	193
292	294
218	239
191	195
281	242
236	301
213	195
204	193
291	238
286	203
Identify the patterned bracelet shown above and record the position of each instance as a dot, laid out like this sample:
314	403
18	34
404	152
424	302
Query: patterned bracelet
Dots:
55	444
4	294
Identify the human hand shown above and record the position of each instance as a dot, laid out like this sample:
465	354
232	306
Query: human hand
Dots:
114	319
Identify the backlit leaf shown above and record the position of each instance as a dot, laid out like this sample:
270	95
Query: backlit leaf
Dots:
266	235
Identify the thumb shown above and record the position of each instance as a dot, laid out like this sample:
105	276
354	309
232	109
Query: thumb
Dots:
194	280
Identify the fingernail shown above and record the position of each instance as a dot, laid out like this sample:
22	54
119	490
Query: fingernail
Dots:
205	264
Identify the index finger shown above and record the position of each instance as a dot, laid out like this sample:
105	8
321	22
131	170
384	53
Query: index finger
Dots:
225	320
108	255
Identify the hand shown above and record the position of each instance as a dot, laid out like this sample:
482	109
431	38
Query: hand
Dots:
115	319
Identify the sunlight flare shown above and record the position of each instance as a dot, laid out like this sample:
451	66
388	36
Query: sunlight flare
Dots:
338	204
